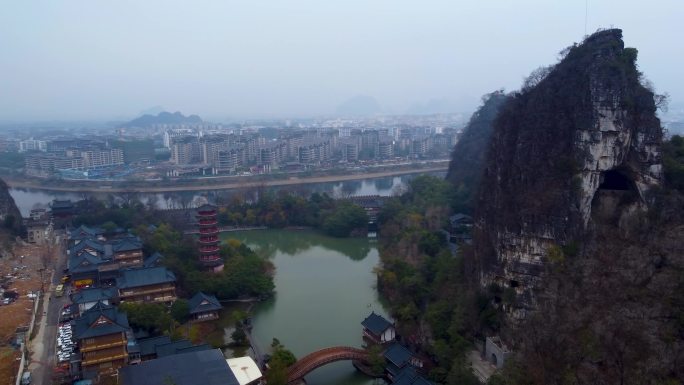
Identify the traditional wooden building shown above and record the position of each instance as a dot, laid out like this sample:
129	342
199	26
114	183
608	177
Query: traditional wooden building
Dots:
409	376
162	346
84	269
87	298
209	251
378	329
126	252
39	227
62	208
398	359
155	284
101	333
82	233
204	307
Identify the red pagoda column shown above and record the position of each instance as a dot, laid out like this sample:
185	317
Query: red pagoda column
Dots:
209	255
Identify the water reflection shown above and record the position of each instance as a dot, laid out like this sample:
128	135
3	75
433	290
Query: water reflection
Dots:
325	287
292	243
27	199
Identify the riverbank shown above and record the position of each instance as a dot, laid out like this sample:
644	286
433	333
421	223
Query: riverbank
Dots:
208	184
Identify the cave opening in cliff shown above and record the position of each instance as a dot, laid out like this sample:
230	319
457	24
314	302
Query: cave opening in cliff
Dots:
615	193
615	180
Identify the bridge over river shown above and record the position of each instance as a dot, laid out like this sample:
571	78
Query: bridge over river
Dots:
315	360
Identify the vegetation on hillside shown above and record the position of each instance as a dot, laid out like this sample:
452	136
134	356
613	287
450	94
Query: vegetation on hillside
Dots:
606	312
423	280
469	154
673	162
608	305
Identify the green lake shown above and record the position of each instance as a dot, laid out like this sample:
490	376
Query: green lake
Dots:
325	287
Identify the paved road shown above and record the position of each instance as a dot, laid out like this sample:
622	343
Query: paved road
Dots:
44	345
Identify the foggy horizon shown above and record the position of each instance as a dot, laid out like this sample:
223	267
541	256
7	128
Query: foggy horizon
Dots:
231	60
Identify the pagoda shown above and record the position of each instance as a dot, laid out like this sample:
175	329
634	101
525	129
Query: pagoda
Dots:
209	255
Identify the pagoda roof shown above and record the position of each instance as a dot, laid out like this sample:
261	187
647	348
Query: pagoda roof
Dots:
376	323
201	303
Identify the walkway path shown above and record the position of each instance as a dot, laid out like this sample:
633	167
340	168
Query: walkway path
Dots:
481	368
259	355
228	229
310	362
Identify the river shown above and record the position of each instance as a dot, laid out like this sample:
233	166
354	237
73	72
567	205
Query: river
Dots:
26	199
325	287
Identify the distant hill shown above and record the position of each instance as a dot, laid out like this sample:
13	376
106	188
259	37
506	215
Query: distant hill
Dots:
360	105
152	111
432	106
163	118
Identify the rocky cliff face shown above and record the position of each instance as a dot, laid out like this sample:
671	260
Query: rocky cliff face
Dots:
8	209
579	146
468	156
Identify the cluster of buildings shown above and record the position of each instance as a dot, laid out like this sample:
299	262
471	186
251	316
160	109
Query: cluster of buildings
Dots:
302	148
402	367
225	153
47	158
106	270
173	150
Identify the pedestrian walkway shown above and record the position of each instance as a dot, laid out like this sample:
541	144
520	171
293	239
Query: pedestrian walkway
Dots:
482	368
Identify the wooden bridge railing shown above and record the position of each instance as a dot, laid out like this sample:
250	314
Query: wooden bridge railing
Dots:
322	357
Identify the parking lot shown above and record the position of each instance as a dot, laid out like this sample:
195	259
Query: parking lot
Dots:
65	344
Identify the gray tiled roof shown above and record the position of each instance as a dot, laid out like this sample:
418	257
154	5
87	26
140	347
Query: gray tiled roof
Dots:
376	323
93	294
144	277
153	260
398	355
84	263
206	367
201	303
85	230
148	346
172	347
85	326
127	244
408	376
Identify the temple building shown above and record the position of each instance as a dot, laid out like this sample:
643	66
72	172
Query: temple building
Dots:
204	307
149	285
377	329
102	340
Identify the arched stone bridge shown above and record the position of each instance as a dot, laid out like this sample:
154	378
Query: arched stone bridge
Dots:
308	363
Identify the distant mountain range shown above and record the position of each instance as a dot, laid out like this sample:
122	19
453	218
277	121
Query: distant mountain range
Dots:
361	105
163	118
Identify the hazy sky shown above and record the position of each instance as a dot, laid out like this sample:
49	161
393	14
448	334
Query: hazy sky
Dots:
226	58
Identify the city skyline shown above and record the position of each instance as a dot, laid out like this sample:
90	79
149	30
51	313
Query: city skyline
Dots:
223	60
